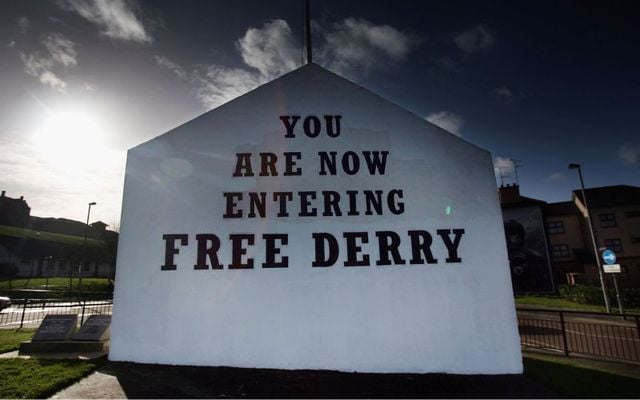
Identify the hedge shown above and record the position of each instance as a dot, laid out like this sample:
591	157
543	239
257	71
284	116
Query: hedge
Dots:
593	295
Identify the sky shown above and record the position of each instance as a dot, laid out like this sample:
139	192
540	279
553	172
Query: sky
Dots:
546	83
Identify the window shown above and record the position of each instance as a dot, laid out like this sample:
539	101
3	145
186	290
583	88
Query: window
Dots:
632	214
559	250
607	220
614	244
555	227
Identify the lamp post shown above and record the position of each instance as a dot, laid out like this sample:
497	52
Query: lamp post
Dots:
84	247
593	238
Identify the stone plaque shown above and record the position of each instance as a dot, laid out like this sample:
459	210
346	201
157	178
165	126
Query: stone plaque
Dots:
56	328
96	328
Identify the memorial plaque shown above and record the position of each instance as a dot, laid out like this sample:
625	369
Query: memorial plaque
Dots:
56	328
96	328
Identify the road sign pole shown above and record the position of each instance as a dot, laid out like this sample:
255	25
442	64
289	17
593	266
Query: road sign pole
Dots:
618	297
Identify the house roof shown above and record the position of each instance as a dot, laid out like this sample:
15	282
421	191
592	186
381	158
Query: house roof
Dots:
611	196
560	208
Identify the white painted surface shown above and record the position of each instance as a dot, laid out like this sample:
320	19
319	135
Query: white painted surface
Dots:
611	268
444	317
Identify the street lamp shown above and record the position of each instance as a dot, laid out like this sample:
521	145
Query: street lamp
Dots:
593	238
84	247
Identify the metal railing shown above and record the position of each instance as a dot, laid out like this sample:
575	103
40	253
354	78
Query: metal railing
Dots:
598	335
31	312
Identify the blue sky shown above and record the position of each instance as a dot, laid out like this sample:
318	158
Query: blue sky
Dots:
546	83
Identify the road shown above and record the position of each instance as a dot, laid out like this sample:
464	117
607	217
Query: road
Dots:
600	336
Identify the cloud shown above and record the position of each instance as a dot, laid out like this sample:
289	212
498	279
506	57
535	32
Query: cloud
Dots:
629	154
474	39
355	43
503	166
115	18
269	52
503	92
23	24
217	84
61	49
556	177
170	65
271	49
61	53
447	120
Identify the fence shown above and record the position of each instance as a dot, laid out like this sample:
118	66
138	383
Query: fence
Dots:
600	335
30	312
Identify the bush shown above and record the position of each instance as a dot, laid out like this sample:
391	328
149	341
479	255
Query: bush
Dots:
593	295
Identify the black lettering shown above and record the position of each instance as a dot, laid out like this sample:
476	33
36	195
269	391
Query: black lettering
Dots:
331	201
282	198
452	247
243	165
210	252
374	200
375	163
396	206
421	244
325	161
238	251
305	203
257	202
268	164
353	167
232	201
289	123
271	251
353	249
322	259
387	248
170	250
312	131
353	202
330	129
290	162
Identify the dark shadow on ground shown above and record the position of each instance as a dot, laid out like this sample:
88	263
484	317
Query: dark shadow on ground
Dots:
162	381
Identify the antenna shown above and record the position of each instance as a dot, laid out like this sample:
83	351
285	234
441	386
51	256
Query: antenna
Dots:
501	176
307	21
516	165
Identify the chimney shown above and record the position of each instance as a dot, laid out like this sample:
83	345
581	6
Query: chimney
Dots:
509	194
21	197
2	193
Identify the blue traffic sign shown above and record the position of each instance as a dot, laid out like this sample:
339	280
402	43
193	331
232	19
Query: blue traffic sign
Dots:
609	256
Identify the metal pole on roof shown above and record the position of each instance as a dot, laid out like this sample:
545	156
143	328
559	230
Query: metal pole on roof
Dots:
593	238
307	22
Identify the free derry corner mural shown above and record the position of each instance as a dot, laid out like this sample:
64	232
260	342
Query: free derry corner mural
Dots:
311	224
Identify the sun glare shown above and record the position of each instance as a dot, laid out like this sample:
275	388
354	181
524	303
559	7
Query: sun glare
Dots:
70	136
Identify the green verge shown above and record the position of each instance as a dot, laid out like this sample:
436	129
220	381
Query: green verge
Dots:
571	380
550	301
10	338
26	233
57	284
33	378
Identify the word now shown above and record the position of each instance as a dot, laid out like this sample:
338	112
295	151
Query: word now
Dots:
327	250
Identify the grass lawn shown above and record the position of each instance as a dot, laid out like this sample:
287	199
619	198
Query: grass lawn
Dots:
10	338
59	284
48	236
568	377
551	301
33	378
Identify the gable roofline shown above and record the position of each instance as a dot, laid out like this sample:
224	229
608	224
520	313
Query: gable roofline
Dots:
298	70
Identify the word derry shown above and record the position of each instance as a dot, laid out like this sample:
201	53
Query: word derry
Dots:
341	203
